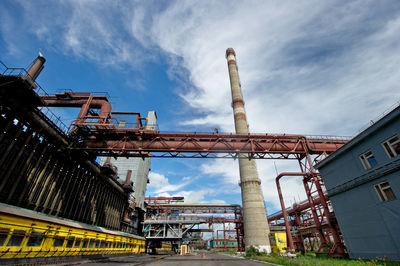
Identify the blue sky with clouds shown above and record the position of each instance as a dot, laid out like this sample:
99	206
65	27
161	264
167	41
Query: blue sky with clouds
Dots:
309	67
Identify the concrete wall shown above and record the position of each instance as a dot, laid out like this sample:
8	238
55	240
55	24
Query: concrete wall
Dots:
140	168
370	228
140	171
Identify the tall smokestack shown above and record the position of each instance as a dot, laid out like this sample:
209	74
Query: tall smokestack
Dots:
256	229
34	71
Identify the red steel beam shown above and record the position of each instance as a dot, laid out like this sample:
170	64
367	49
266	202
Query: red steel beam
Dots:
292	210
127	142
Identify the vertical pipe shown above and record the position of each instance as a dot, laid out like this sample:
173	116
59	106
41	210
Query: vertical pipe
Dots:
8	124
52	190
86	196
224	236
90	212
78	201
64	178
256	229
89	200
41	151
114	208
285	216
100	217
37	179
14	139
7	157
46	186
22	173
34	70
62	204
70	207
16	160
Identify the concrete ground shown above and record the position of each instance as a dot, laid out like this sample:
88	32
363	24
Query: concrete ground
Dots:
194	259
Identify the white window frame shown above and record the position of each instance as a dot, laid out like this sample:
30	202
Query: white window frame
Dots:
364	159
390	146
380	189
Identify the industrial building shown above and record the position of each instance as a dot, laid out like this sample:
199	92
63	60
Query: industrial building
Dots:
134	171
363	184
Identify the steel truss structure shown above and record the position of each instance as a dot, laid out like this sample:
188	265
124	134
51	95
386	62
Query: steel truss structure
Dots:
176	221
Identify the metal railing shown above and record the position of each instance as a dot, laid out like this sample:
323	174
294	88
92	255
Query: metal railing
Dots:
384	113
21	72
54	118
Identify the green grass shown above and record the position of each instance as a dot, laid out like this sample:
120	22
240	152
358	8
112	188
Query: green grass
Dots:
232	252
311	259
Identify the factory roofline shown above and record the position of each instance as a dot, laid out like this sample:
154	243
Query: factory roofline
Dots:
387	118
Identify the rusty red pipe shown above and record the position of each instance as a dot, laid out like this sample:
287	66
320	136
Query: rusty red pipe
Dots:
294	209
97	102
285	216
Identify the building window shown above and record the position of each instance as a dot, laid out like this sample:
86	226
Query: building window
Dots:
16	238
3	235
392	146
85	243
384	191
58	241
70	242
77	242
368	160
35	239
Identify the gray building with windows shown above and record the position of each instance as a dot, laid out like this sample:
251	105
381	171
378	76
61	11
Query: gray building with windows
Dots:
363	183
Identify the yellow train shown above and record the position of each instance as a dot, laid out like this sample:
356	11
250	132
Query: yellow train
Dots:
28	234
164	248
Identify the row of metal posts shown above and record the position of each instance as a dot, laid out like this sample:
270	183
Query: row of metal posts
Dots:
35	174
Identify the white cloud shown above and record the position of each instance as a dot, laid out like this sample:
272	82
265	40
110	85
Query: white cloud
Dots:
309	72
191	196
305	67
161	183
217	201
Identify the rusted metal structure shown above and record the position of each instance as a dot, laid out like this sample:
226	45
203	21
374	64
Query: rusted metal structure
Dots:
155	201
310	220
176	221
134	142
37	169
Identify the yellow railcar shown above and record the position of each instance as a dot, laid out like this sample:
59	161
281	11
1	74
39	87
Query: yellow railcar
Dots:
278	242
165	248
28	234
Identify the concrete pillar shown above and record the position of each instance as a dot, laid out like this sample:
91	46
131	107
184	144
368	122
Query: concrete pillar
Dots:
256	229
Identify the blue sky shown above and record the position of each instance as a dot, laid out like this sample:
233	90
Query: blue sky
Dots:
307	67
